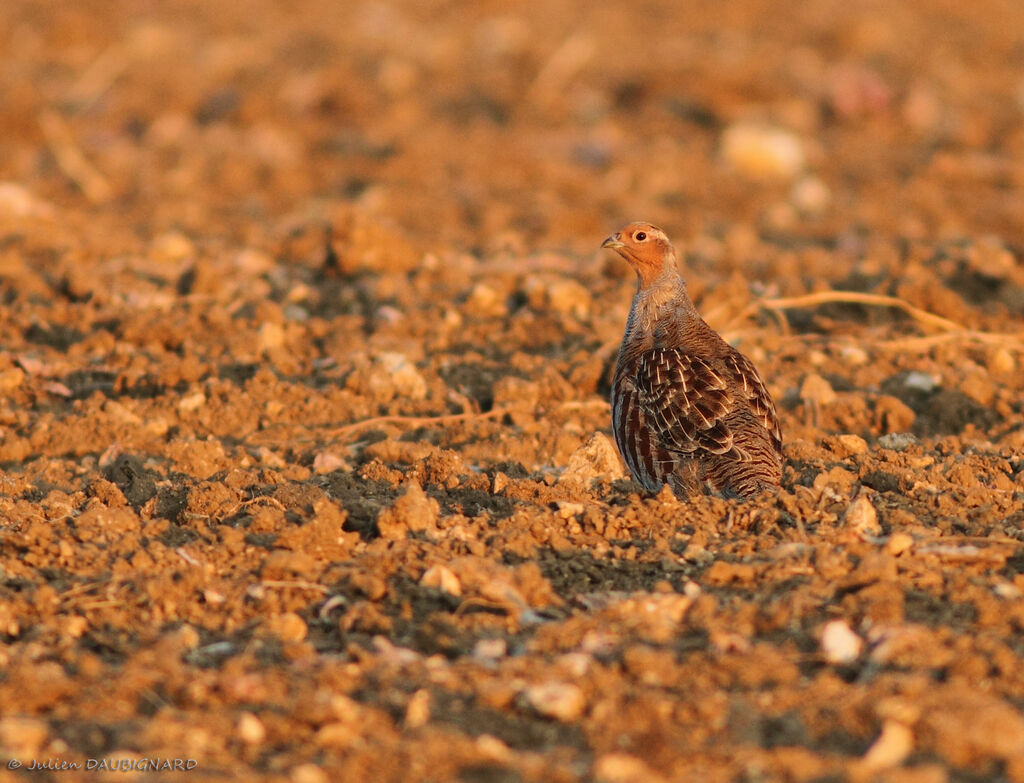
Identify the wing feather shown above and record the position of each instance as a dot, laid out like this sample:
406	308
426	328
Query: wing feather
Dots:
685	400
760	401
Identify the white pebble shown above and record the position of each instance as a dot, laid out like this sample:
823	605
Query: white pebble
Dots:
490	649
560	700
763	151
407	380
442	578
192	402
251	729
326	462
839	643
862	517
920	381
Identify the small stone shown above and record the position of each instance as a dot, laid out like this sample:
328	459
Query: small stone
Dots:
157	427
121	413
893	745
852	444
597	458
192	402
408	382
57	389
326	462
288	627
271	337
991	256
490	649
337	734
560	700
1001	362
575	664
254	262
8	621
31	365
569	509
840	644
623	768
569	297
213	597
899	543
920	381
441	577
172	246
389	315
694	553
269	458
499	483
18	202
308	773
75	626
417	712
862	517
897	441
763	151
811	196
486	301
251	729
493	748
11	380
854	355
181	640
1007	590
816	390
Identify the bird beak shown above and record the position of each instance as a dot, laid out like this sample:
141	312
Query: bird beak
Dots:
612	242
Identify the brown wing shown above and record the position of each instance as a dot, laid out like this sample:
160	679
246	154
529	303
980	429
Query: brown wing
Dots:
684	401
761	404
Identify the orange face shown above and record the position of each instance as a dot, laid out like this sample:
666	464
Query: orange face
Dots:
644	246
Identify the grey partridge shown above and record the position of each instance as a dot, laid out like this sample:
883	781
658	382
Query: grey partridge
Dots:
688	409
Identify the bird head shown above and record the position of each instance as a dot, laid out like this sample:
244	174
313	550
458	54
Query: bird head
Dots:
645	247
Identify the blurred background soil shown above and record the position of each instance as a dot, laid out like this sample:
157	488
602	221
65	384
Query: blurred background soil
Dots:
304	356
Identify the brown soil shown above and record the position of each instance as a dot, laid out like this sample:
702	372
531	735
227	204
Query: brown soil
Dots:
305	352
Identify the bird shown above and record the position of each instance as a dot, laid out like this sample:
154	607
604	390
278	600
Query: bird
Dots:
688	409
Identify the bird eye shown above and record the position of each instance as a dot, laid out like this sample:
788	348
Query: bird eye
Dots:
639	236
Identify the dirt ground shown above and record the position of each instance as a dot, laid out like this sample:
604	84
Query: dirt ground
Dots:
305	470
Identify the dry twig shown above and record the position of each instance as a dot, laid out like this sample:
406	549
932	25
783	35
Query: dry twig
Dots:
851	297
950	330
